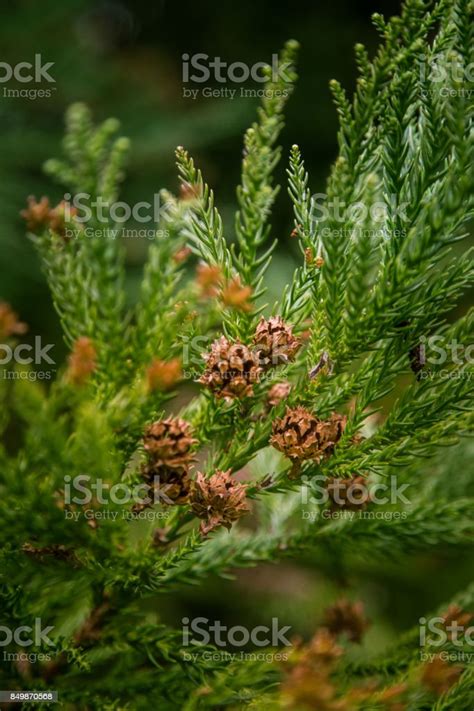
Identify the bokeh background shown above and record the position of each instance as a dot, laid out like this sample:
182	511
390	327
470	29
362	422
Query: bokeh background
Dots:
124	60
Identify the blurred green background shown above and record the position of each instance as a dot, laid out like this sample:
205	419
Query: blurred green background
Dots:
124	60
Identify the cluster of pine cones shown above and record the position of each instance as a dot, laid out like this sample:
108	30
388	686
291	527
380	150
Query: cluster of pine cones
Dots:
218	500
232	369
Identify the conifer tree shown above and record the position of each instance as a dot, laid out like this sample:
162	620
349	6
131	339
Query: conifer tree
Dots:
340	381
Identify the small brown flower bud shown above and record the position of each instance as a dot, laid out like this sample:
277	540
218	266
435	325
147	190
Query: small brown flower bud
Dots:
439	676
209	279
163	375
181	255
189	191
82	361
237	296
9	323
36	214
40	216
278	393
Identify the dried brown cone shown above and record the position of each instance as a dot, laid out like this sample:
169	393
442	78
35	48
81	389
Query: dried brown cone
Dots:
274	342
345	617
308	683
168	445
231	370
219	500
278	393
301	436
165	486
351	494
57	550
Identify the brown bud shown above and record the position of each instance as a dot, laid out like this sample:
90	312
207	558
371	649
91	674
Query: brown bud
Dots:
439	676
181	255
163	375
9	323
36	214
189	191
278	393
40	216
82	361
237	296
209	279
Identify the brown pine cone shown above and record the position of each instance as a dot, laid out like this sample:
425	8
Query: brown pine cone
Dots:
300	435
351	494
345	617
219	500
166	486
277	393
168	444
231	370
274	342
